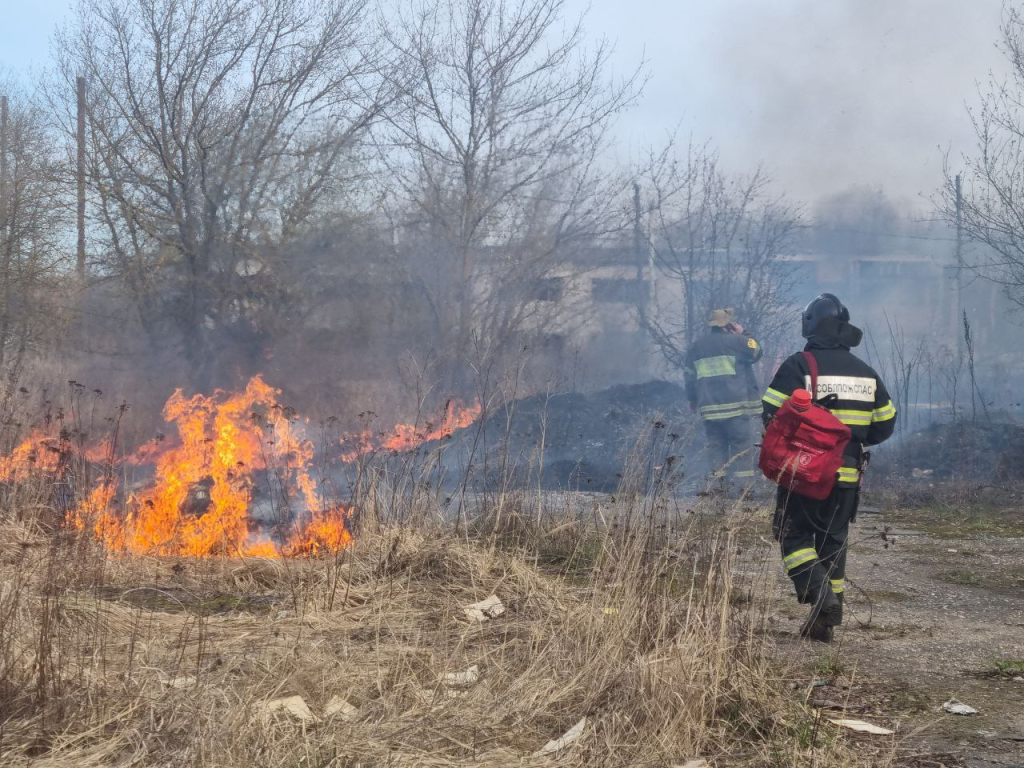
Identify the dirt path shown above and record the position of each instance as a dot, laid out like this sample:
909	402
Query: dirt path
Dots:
937	613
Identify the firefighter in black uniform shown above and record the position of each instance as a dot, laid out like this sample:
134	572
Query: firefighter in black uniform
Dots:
721	387
812	533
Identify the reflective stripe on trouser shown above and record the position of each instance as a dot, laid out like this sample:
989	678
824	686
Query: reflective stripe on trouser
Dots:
803	556
838	586
813	539
738	474
849	477
730	410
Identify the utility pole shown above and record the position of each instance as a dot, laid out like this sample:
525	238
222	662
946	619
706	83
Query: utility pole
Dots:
80	173
3	163
637	233
959	269
640	247
6	230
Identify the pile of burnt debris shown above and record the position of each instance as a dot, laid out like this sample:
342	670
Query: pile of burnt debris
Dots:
580	441
586	441
977	451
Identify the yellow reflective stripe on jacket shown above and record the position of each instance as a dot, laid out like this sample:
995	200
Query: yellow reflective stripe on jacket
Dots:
885	413
854	418
723	365
798	558
774	397
838	586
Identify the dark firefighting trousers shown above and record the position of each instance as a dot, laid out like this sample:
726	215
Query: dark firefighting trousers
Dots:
813	535
727	441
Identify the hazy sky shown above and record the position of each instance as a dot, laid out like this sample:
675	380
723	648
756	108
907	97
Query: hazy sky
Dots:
824	93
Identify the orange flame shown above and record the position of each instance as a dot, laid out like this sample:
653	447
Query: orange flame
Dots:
327	532
227	451
407	437
455	416
200	499
37	453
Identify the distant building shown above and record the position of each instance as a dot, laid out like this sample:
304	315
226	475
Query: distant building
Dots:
918	292
582	330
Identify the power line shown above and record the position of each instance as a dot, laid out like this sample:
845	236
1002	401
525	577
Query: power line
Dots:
901	236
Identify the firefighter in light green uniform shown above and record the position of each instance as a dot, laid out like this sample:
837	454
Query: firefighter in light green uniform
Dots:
721	387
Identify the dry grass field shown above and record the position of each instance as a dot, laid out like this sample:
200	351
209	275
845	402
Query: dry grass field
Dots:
637	628
655	635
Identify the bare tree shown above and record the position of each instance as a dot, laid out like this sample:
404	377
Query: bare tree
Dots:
899	365
494	157
32	229
946	367
991	211
976	395
718	242
218	130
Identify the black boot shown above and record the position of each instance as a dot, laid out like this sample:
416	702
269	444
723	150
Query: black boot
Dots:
818	632
826	613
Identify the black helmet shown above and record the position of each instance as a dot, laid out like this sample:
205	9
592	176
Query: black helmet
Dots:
826	305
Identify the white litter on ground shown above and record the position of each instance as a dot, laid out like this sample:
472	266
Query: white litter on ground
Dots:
570	736
181	681
490	608
291	705
338	707
955	707
862	727
462	679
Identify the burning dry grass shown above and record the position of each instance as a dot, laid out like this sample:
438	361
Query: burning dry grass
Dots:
123	661
620	614
230	454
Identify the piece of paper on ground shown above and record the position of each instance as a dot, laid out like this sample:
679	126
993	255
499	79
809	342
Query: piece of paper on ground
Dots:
861	727
556	745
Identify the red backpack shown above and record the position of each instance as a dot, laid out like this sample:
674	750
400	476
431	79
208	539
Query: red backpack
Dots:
803	447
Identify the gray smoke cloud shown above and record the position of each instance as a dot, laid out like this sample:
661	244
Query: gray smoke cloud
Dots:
825	94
